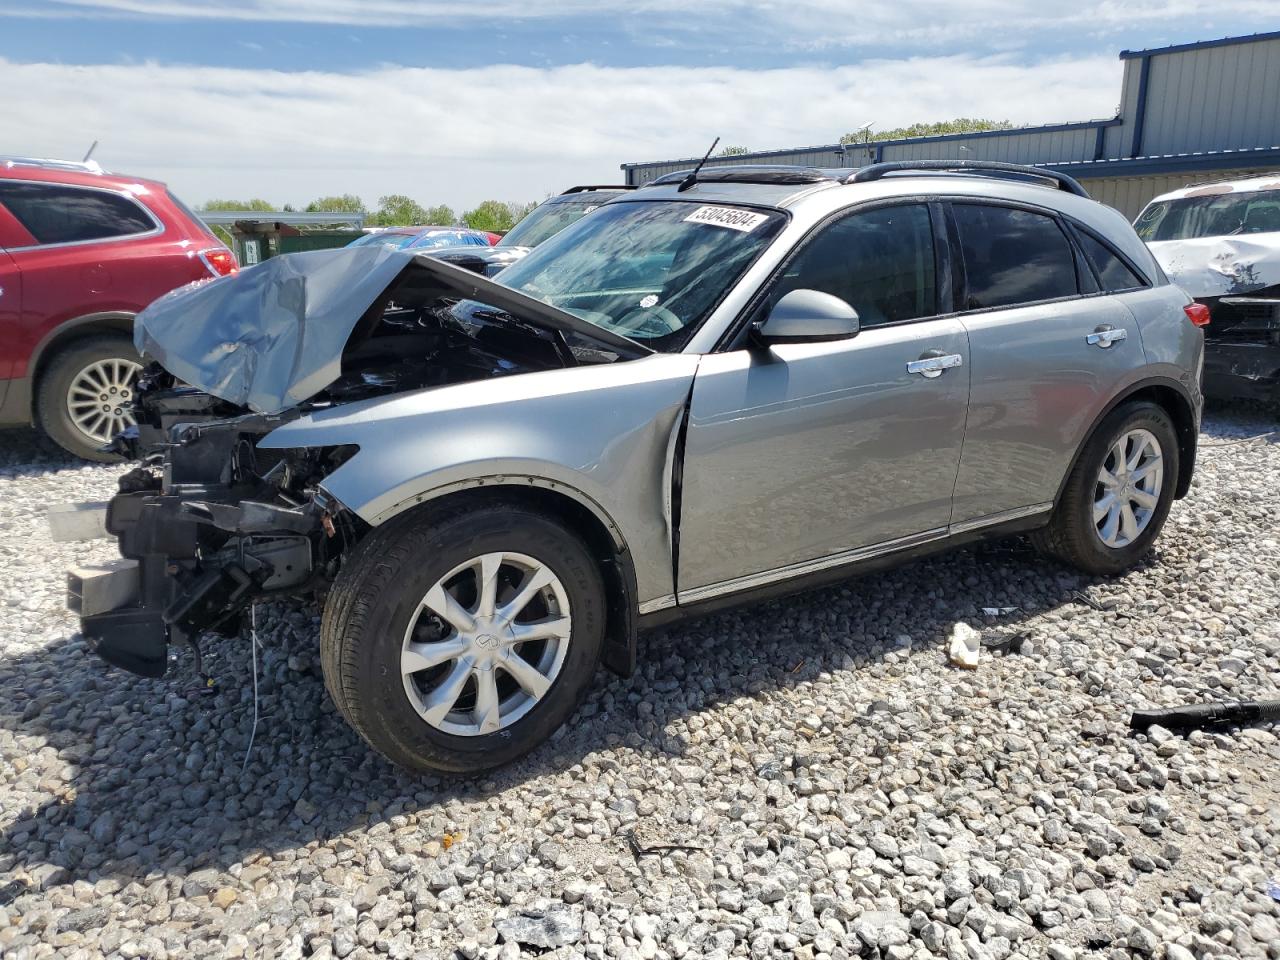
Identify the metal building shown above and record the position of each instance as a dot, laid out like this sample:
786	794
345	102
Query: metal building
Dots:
1188	112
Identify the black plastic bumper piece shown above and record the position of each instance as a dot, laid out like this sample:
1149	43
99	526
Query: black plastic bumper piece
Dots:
133	638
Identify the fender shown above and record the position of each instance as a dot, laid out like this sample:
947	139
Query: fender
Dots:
598	434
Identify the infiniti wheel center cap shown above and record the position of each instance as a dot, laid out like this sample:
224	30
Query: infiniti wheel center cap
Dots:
487	641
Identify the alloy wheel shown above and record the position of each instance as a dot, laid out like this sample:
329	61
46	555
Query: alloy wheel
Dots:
486	643
100	396
1128	487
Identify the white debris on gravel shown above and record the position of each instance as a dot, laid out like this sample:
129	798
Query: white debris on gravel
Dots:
852	792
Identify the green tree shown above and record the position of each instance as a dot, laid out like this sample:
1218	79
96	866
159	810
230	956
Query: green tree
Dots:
257	204
733	152
441	215
345	203
490	215
520	210
937	128
397	210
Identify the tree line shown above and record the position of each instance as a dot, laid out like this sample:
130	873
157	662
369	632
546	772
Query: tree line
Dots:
396	210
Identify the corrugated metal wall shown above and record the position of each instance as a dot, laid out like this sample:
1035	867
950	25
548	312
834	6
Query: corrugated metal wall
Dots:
831	155
1130	194
1214	98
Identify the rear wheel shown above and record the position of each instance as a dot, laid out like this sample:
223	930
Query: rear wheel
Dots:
1118	494
86	392
459	642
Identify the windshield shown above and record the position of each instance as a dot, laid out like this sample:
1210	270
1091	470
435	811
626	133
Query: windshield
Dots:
449	238
1223	215
546	220
651	271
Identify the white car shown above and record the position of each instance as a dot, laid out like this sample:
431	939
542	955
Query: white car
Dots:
1220	242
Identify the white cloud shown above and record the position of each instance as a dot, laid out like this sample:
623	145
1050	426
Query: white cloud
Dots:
507	132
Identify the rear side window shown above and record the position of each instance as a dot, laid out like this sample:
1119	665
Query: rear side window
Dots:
1013	256
56	214
880	262
1114	272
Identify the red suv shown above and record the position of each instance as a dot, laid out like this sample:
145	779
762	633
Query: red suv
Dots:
81	252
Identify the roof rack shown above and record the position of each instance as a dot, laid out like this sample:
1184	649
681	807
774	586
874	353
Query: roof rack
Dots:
1061	181
597	186
750	173
84	166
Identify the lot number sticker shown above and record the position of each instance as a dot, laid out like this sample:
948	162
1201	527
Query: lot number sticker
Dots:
743	221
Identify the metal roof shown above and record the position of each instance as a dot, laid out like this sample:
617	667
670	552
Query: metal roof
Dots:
1200	45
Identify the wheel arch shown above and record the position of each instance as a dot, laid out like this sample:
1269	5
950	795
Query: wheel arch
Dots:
68	333
1172	397
581	515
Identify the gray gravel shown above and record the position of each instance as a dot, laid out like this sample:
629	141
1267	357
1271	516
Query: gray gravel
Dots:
852	793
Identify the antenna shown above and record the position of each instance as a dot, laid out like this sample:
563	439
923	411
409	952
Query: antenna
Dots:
89	153
692	178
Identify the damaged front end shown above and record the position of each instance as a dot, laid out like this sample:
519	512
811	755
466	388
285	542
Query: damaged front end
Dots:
1242	345
217	525
214	518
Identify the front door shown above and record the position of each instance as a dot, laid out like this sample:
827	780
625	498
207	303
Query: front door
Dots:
807	456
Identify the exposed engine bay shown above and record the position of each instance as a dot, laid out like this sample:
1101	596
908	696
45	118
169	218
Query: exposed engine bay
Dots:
209	520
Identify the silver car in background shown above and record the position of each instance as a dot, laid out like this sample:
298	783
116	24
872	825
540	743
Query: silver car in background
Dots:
729	384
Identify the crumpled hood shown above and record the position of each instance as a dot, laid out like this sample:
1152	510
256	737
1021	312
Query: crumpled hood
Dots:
272	336
1221	266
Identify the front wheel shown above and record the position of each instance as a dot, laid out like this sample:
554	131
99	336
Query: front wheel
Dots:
1118	494
460	641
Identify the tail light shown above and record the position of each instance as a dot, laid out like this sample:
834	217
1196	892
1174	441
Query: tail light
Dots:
1198	314
220	261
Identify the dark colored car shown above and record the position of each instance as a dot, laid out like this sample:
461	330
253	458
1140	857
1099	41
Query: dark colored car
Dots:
81	252
1220	242
401	238
543	222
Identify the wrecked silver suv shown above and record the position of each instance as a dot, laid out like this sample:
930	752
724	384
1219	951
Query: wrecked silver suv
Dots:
719	387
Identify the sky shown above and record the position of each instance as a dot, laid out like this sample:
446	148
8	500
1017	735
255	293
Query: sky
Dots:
457	101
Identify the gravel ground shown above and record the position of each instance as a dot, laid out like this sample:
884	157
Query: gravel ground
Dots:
849	792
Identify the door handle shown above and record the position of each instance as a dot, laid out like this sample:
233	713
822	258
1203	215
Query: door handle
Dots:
931	367
1105	336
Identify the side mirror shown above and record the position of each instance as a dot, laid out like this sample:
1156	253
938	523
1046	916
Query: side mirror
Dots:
807	316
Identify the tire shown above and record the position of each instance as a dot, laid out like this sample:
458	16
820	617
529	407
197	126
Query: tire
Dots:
377	598
1072	534
120	364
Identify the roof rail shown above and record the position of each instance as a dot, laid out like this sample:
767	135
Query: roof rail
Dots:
583	188
84	166
877	171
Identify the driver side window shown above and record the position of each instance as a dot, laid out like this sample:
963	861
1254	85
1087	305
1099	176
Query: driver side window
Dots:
880	262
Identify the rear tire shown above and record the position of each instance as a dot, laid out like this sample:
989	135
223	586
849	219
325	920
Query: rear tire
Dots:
380	623
85	393
1090	528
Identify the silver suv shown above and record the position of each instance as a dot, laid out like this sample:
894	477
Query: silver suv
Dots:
732	383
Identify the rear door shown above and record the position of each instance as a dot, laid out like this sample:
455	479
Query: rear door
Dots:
1049	349
807	456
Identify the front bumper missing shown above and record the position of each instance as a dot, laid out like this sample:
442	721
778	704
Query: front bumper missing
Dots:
187	566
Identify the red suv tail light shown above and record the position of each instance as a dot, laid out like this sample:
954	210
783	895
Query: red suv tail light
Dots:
1198	314
220	261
